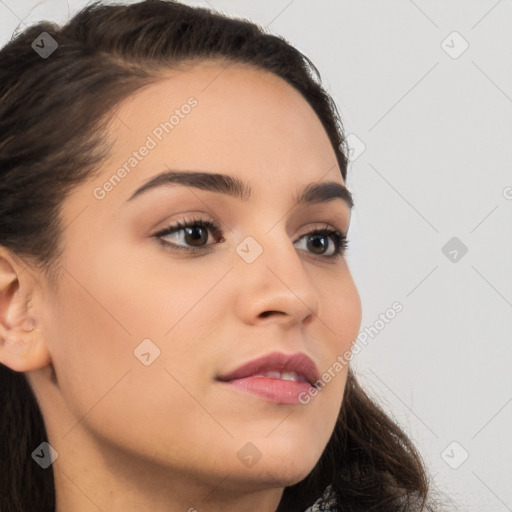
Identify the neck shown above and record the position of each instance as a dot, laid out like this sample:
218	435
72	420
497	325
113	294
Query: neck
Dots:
101	480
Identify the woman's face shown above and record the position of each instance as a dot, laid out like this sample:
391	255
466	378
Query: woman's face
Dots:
141	333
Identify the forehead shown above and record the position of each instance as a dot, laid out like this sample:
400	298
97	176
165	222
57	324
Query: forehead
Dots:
233	119
240	117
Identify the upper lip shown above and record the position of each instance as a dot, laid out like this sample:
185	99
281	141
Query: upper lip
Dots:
276	361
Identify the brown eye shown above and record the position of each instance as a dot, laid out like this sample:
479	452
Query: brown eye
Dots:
189	234
318	242
196	236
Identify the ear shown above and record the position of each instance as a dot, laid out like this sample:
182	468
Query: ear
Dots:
22	347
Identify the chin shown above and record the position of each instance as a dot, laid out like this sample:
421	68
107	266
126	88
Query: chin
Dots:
292	475
282	471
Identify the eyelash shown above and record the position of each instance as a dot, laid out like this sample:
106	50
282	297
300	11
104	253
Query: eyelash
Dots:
339	239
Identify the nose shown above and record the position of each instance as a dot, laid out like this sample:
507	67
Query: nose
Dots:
277	283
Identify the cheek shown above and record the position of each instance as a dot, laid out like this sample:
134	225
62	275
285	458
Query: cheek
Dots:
339	322
113	317
342	310
107	388
90	347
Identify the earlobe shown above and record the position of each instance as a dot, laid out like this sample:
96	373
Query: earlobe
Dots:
22	351
21	345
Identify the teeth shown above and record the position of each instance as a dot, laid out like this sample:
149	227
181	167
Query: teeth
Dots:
272	375
289	376
283	375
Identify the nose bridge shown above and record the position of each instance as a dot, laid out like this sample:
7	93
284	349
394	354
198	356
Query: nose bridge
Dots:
274	276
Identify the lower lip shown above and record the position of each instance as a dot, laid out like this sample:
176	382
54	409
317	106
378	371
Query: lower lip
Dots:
274	390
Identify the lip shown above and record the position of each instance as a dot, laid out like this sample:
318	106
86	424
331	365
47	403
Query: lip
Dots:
248	378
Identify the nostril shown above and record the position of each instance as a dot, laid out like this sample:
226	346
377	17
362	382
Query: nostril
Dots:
267	313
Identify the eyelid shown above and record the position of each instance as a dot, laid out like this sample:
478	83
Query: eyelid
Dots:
337	236
322	226
216	228
181	224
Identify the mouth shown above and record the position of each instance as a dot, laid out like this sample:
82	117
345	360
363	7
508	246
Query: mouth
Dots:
276	377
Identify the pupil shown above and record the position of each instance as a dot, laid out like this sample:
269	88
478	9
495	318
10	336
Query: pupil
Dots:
192	232
317	238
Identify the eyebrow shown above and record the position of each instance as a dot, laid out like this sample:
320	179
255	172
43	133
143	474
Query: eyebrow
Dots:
232	186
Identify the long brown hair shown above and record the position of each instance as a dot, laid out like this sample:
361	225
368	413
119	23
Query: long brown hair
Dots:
53	113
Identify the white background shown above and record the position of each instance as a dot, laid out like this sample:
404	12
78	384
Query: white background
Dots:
436	123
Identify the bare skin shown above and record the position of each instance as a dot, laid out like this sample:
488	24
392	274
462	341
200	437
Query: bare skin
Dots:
167	436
